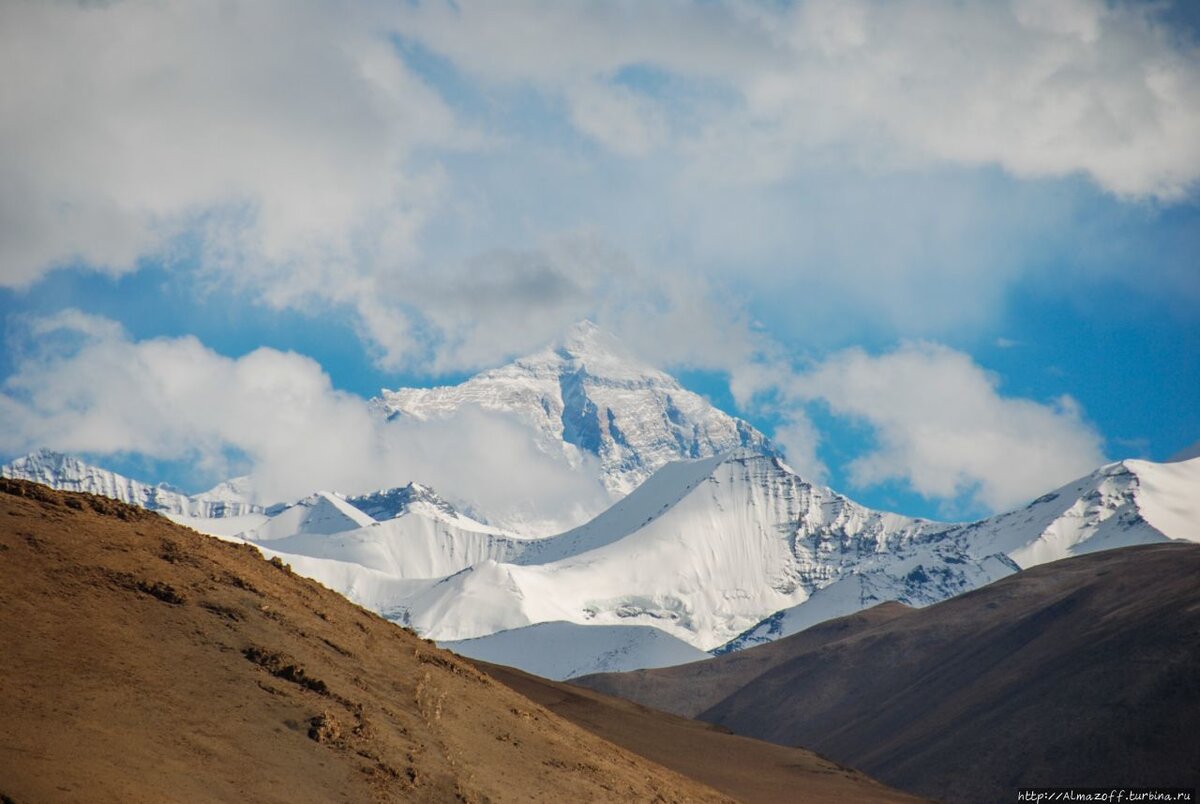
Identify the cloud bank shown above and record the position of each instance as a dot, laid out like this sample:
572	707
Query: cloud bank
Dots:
294	152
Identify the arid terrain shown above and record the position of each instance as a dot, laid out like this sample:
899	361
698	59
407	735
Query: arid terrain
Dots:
1080	672
143	662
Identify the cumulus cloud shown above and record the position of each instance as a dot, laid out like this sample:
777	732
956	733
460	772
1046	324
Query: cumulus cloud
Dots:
87	387
943	427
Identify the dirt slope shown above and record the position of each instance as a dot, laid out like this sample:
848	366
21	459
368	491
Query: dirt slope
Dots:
143	662
751	770
1081	672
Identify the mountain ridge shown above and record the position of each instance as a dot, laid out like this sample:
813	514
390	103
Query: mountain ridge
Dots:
1120	504
230	498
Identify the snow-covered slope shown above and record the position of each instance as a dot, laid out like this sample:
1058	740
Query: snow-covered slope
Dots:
588	396
405	533
1121	504
413	545
562	650
703	551
233	498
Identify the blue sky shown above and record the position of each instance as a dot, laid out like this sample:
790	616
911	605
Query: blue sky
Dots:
932	246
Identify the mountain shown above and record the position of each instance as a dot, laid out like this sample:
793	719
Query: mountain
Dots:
145	662
742	533
586	396
755	553
1084	671
228	499
752	771
323	513
704	550
1125	503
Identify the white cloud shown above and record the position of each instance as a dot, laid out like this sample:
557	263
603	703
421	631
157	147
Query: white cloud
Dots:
1042	89
800	440
276	134
1038	87
1079	18
97	391
943	427
294	144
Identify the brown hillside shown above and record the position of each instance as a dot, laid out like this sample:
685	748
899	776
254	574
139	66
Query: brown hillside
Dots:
144	662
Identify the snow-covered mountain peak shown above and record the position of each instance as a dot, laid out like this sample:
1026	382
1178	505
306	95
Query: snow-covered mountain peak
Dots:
321	513
1121	503
50	467
236	489
587	395
418	499
585	340
704	549
233	498
588	349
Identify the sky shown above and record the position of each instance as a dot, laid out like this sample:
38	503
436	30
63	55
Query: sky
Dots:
945	252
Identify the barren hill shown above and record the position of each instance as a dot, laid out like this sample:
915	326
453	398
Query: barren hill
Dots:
145	662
